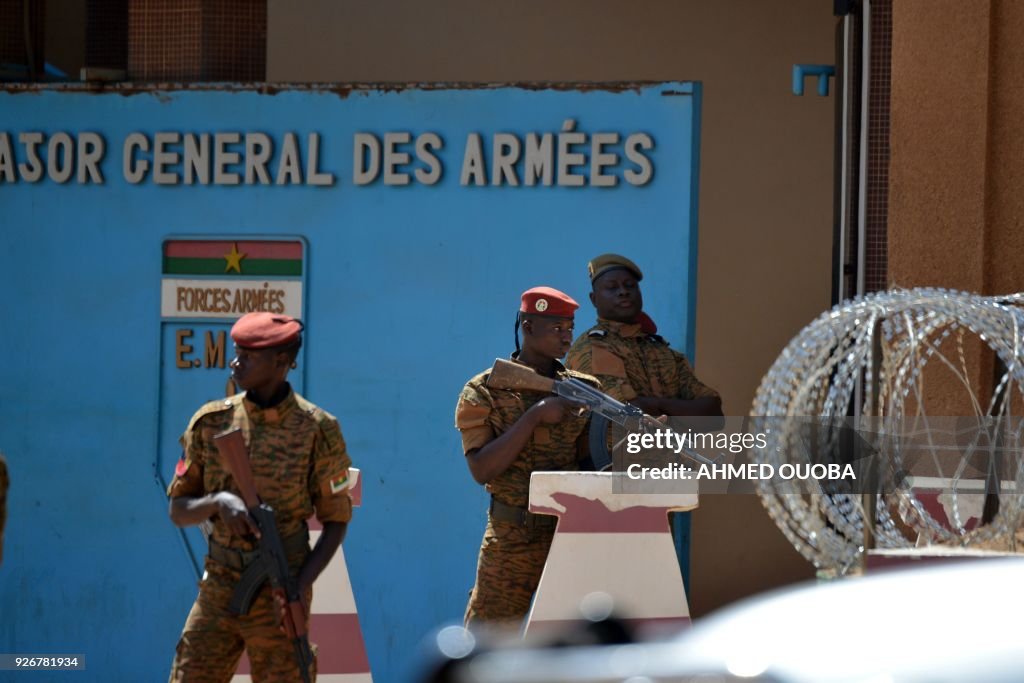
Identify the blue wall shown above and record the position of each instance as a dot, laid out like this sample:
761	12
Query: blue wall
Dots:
410	291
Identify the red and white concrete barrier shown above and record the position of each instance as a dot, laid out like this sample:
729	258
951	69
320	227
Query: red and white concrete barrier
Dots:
965	510
615	543
936	496
334	622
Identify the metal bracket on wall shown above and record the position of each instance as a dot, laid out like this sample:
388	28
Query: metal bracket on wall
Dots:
822	71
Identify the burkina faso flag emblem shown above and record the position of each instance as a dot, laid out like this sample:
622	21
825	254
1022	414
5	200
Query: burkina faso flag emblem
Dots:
214	257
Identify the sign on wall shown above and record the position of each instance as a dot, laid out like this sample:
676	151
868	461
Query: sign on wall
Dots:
220	279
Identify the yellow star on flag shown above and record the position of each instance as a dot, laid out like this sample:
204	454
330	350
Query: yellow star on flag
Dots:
234	259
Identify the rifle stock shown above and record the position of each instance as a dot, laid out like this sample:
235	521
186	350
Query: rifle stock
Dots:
231	446
508	375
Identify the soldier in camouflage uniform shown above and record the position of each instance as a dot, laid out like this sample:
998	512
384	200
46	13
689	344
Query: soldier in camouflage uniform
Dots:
4	483
299	464
508	435
624	351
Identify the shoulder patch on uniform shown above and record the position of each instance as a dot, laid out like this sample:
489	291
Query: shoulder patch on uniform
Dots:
182	467
339	483
597	333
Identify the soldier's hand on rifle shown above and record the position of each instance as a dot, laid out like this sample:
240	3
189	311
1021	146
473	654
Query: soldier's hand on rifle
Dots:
232	510
649	404
285	618
553	409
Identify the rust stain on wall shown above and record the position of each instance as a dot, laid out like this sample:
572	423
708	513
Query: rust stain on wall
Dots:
342	90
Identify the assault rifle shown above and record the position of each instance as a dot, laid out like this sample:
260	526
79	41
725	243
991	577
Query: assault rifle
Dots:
271	563
516	377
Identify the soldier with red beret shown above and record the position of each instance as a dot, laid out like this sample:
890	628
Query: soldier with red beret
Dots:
300	467
506	436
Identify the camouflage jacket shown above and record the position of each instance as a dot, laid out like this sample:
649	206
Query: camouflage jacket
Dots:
484	413
630	363
297	455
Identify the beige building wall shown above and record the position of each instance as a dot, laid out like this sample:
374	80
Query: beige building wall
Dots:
1005	145
766	169
956	207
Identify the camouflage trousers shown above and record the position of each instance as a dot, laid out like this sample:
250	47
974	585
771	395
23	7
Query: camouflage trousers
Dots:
213	639
508	571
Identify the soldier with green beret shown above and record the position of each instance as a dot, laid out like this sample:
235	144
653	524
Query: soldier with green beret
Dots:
624	351
300	467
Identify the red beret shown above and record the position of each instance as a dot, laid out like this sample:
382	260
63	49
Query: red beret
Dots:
265	330
548	301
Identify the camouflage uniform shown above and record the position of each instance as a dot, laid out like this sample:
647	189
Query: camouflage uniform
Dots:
512	555
630	363
299	464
